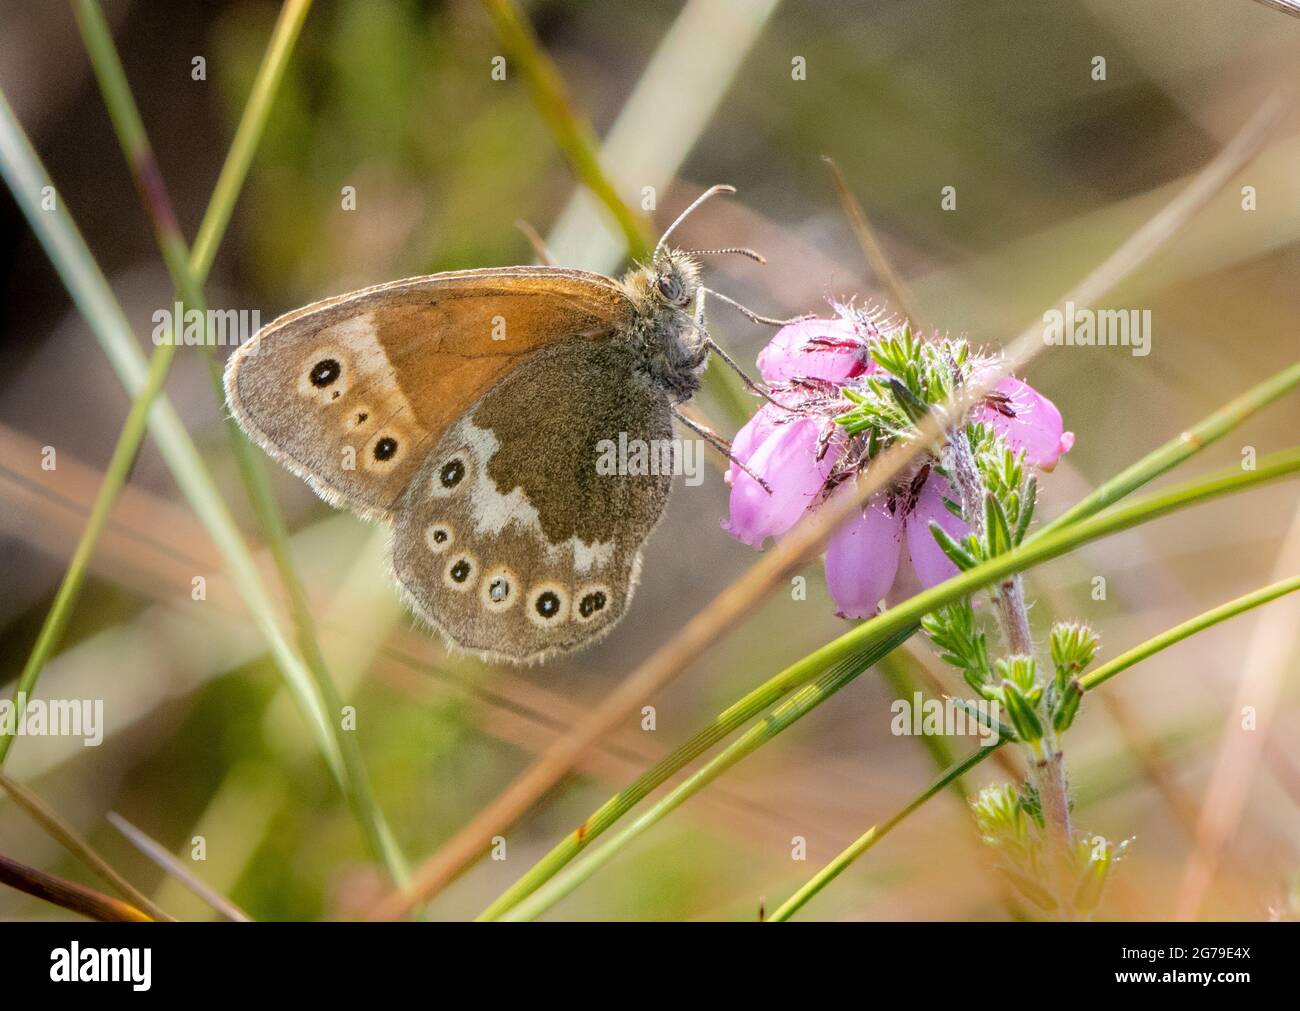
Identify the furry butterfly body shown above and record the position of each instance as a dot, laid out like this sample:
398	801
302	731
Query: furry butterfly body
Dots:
465	409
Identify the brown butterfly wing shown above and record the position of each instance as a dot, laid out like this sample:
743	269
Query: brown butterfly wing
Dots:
515	540
352	392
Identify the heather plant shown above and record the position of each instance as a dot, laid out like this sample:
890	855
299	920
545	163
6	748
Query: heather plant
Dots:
968	501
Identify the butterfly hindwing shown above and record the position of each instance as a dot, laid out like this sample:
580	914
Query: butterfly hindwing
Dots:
513	540
351	393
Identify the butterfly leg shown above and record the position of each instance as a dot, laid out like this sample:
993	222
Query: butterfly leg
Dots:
750	384
718	443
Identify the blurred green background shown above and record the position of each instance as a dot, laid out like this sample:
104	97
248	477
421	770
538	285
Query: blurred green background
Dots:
1052	170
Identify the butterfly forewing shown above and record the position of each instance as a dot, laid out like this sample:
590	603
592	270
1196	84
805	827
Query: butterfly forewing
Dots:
353	392
512	540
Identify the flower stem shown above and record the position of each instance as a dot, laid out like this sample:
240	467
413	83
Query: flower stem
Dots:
1054	802
1045	758
1047	761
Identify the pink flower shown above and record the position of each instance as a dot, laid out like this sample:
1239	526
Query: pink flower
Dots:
783	448
1027	420
931	564
862	557
815	349
795	447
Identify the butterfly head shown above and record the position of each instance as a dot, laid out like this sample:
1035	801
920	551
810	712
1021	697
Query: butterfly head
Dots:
676	278
668	296
670	282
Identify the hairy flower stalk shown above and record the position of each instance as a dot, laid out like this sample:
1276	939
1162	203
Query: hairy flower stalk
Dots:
847	388
1047	761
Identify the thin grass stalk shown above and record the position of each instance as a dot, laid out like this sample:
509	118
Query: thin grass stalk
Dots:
1206	431
135	144
115	478
903	684
577	141
1188	628
613	809
1266	664
1146	469
68	894
1088	682
166	860
895	287
284	36
783	716
873	835
905	617
66	836
574	135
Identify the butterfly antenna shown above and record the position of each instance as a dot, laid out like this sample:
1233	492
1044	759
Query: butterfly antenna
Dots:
765	320
757	257
712	191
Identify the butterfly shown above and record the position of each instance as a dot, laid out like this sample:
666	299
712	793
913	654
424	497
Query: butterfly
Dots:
466	409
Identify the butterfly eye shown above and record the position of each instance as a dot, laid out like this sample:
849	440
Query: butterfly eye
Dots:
592	601
460	572
671	289
548	604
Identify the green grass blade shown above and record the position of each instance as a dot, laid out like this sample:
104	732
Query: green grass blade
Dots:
757	701
576	139
144	170
783	716
1188	628
90	291
1175	451
247	135
115	475
139	153
572	133
874	834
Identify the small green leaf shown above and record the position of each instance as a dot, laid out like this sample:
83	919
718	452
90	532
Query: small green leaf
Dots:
1028	726
1068	707
961	558
997	533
